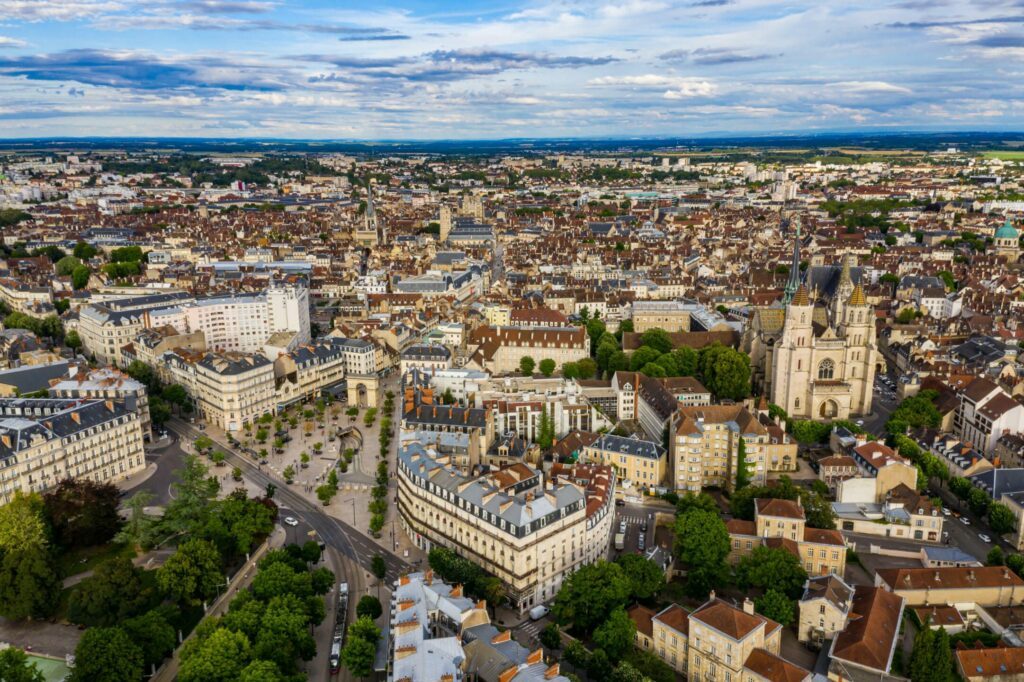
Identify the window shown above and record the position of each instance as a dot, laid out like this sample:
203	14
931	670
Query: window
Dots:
827	369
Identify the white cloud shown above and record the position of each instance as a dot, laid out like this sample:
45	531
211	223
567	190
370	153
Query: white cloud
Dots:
869	87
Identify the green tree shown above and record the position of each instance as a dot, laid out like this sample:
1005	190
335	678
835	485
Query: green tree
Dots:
551	636
192	574
84	251
369	606
526	365
906	316
777	606
29	586
220	657
625	672
772	567
931	659
576	654
284	633
378	567
547	367
15	667
1000	519
152	634
700	501
995	557
113	593
80	277
107	655
702	543
587	368
82	513
615	634
361	648
646	578
590	594
979	501
658	339
641	357
651	666
725	371
22	523
66	265
261	671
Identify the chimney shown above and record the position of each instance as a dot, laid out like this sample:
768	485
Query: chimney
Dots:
552	672
535	657
748	606
508	674
502	637
711	596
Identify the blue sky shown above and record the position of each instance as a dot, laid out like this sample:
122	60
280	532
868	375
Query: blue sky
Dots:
432	69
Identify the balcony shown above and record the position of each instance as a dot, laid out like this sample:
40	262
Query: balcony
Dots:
830	387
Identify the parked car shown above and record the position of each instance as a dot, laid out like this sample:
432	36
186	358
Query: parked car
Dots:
984	538
964	520
945	511
538	612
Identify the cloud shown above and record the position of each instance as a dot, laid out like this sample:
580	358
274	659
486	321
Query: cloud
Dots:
869	87
55	10
135	70
379	36
678	87
11	42
229	6
714	56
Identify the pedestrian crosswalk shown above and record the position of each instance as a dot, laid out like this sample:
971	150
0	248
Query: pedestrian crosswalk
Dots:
633	520
531	628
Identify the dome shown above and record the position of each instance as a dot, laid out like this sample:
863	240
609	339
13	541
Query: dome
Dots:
1006	231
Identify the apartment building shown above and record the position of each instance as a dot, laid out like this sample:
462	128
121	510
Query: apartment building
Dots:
986	413
881	469
643	463
530	532
22	298
905	514
499	349
308	371
438	634
238	323
45	440
704	447
422	412
783	524
107	383
427	358
228	389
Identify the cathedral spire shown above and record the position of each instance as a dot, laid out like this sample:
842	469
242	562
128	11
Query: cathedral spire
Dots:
794	269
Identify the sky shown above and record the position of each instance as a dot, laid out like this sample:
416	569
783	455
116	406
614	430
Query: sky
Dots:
447	69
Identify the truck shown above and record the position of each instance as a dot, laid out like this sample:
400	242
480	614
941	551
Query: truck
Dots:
620	541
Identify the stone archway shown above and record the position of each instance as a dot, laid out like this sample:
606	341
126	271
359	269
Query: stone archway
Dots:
363	391
828	409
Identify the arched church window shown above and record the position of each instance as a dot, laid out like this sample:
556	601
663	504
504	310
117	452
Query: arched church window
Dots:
827	369
796	403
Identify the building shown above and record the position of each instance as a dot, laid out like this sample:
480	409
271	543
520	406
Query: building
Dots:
998	664
107	383
1006	242
499	349
717	642
905	514
428	358
530	532
671	316
964	586
782	524
438	634
46	440
986	413
816	358
824	609
867	645
227	389
705	443
309	371
642	463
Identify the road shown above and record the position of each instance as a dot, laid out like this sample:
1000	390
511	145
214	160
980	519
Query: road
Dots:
168	460
335	533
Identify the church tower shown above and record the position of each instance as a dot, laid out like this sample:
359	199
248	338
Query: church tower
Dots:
794	268
446	222
858	329
791	370
844	290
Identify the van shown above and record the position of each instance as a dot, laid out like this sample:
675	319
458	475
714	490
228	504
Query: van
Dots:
538	612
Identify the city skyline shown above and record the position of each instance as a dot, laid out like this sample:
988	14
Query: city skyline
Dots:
433	70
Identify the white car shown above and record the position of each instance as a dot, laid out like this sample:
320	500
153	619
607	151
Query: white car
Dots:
946	512
964	520
291	521
984	538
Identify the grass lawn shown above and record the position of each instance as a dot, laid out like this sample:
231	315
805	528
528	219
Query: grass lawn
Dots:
1005	155
87	558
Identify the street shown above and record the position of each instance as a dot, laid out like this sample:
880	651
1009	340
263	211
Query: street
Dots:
335	533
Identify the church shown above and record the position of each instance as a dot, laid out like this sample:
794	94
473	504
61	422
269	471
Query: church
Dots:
813	353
